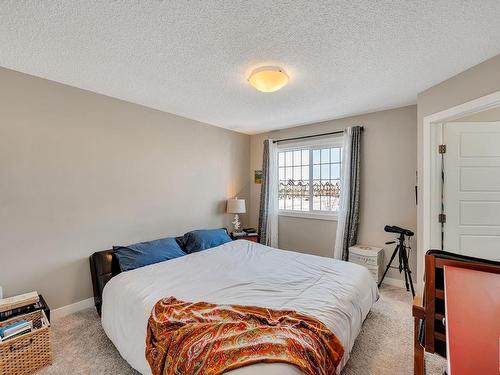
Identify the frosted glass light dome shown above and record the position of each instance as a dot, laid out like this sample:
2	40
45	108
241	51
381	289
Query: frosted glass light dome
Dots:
268	78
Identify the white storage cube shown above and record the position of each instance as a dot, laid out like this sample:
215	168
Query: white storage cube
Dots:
370	257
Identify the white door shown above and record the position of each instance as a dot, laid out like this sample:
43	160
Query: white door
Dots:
471	192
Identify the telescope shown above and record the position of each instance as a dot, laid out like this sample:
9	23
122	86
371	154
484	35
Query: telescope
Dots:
399	230
401	250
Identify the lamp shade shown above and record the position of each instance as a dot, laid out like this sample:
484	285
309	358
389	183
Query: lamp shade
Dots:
236	206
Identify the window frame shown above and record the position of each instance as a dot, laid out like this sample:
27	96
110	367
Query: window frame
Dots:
331	142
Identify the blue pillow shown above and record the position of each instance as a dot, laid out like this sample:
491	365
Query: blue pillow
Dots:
202	239
144	253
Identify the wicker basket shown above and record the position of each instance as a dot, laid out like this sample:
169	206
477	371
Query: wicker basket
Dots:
27	353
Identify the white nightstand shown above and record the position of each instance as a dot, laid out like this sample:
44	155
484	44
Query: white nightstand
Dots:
370	257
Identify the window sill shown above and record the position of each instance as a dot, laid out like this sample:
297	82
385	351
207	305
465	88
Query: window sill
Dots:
309	215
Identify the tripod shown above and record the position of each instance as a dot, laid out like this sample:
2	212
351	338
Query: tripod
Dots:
403	256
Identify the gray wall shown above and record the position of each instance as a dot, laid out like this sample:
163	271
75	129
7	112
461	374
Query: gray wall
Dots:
489	115
478	81
389	160
80	172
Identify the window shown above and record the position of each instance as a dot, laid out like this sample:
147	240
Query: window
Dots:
309	179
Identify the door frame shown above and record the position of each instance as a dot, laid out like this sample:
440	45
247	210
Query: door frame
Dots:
429	191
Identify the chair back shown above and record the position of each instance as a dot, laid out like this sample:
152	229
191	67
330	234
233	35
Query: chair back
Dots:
435	260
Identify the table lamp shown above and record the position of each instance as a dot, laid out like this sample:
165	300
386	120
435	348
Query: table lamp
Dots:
236	206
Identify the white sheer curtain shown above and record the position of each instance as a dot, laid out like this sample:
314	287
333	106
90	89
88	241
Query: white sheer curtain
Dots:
345	187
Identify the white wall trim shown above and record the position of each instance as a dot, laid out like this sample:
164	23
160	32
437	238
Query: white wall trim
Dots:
400	283
426	158
70	309
309	215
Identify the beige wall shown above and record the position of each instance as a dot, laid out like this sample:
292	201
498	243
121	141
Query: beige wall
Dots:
492	114
80	172
389	159
478	81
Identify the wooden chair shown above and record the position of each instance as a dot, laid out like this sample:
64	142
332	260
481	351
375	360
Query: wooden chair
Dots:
429	311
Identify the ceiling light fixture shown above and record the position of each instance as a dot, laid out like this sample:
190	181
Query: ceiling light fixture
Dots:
268	78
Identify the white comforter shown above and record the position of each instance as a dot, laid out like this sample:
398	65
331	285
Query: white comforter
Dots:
339	294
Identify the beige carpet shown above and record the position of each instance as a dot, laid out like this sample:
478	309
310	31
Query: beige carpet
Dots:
383	347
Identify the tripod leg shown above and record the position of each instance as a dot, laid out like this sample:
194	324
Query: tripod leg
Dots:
405	269
409	277
408	271
400	259
402	266
388	265
411	283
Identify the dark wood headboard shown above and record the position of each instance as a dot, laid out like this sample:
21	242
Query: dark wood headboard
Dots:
103	266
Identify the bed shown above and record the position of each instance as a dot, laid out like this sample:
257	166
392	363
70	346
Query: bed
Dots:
338	293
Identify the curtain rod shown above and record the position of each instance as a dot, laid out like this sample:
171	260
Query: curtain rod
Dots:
311	136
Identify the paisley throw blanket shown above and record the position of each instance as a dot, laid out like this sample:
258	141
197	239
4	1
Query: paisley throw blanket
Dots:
203	338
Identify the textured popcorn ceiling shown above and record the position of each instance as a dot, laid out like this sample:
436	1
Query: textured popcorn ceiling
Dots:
192	58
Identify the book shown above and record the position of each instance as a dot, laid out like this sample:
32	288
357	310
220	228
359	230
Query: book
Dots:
15	329
15	334
21	311
18	301
14	326
239	234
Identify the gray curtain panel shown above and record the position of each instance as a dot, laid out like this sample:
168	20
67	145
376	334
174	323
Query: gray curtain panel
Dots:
264	195
352	209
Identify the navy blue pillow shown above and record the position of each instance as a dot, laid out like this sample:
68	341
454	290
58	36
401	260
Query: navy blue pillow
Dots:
202	239
144	253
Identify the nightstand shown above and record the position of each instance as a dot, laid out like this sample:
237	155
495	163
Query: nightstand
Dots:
251	237
370	257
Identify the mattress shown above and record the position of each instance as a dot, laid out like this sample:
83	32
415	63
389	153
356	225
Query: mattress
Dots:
340	294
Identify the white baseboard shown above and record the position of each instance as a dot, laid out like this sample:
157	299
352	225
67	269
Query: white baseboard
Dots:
400	283
70	309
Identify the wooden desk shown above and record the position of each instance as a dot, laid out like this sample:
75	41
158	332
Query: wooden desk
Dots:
472	300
